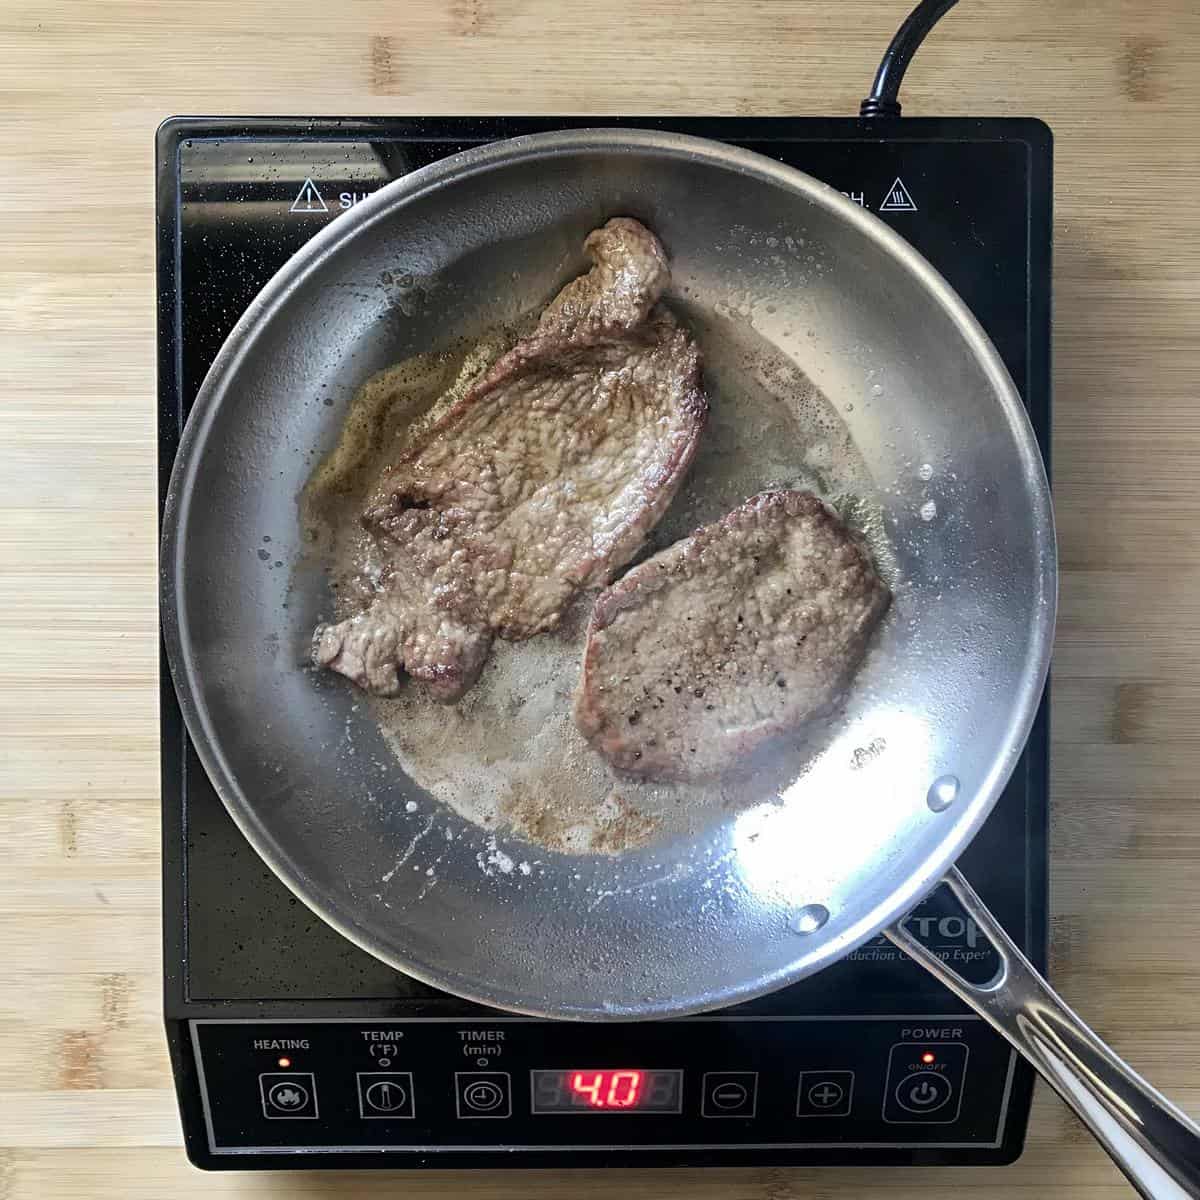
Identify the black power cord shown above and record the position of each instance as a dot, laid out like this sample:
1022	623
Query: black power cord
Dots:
885	91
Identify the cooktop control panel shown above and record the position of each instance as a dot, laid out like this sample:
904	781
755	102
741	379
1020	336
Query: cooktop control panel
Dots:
445	1085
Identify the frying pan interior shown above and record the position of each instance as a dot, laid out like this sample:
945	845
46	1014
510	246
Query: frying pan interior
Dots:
735	905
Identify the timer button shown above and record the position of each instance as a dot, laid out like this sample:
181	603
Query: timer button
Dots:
729	1094
482	1094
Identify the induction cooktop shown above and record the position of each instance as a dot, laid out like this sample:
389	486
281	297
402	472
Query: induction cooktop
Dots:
291	1047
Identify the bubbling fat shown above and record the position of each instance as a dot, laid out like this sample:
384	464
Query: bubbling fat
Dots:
507	755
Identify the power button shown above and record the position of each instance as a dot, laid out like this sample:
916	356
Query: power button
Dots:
922	1093
925	1083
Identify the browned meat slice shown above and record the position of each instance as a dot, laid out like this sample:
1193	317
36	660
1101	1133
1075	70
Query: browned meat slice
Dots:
542	480
746	629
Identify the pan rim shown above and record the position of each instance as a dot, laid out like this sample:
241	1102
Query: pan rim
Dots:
173	602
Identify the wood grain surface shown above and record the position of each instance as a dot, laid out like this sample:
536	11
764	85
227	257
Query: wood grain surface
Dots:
85	1106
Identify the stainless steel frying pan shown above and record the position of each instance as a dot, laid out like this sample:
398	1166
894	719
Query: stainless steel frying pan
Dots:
759	897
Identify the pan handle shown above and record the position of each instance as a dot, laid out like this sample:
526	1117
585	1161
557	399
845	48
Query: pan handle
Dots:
1155	1144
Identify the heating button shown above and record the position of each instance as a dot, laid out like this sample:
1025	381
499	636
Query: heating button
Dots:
924	1083
288	1095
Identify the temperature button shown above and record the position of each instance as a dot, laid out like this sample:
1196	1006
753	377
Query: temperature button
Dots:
386	1096
924	1083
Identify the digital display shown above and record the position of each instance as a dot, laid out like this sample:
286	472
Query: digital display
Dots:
607	1089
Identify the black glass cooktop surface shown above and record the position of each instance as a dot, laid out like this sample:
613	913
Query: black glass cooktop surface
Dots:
276	1021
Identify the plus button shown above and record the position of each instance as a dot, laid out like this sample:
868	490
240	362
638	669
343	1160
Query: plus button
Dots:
825	1093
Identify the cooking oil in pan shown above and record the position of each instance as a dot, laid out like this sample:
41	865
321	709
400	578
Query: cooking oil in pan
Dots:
508	756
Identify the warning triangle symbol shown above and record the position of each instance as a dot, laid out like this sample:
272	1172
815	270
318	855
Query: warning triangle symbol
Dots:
898	198
308	199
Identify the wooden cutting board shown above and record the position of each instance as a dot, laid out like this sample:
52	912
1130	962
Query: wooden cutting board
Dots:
86	1109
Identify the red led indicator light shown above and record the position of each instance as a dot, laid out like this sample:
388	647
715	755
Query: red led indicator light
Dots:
927	1058
608	1089
285	1063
